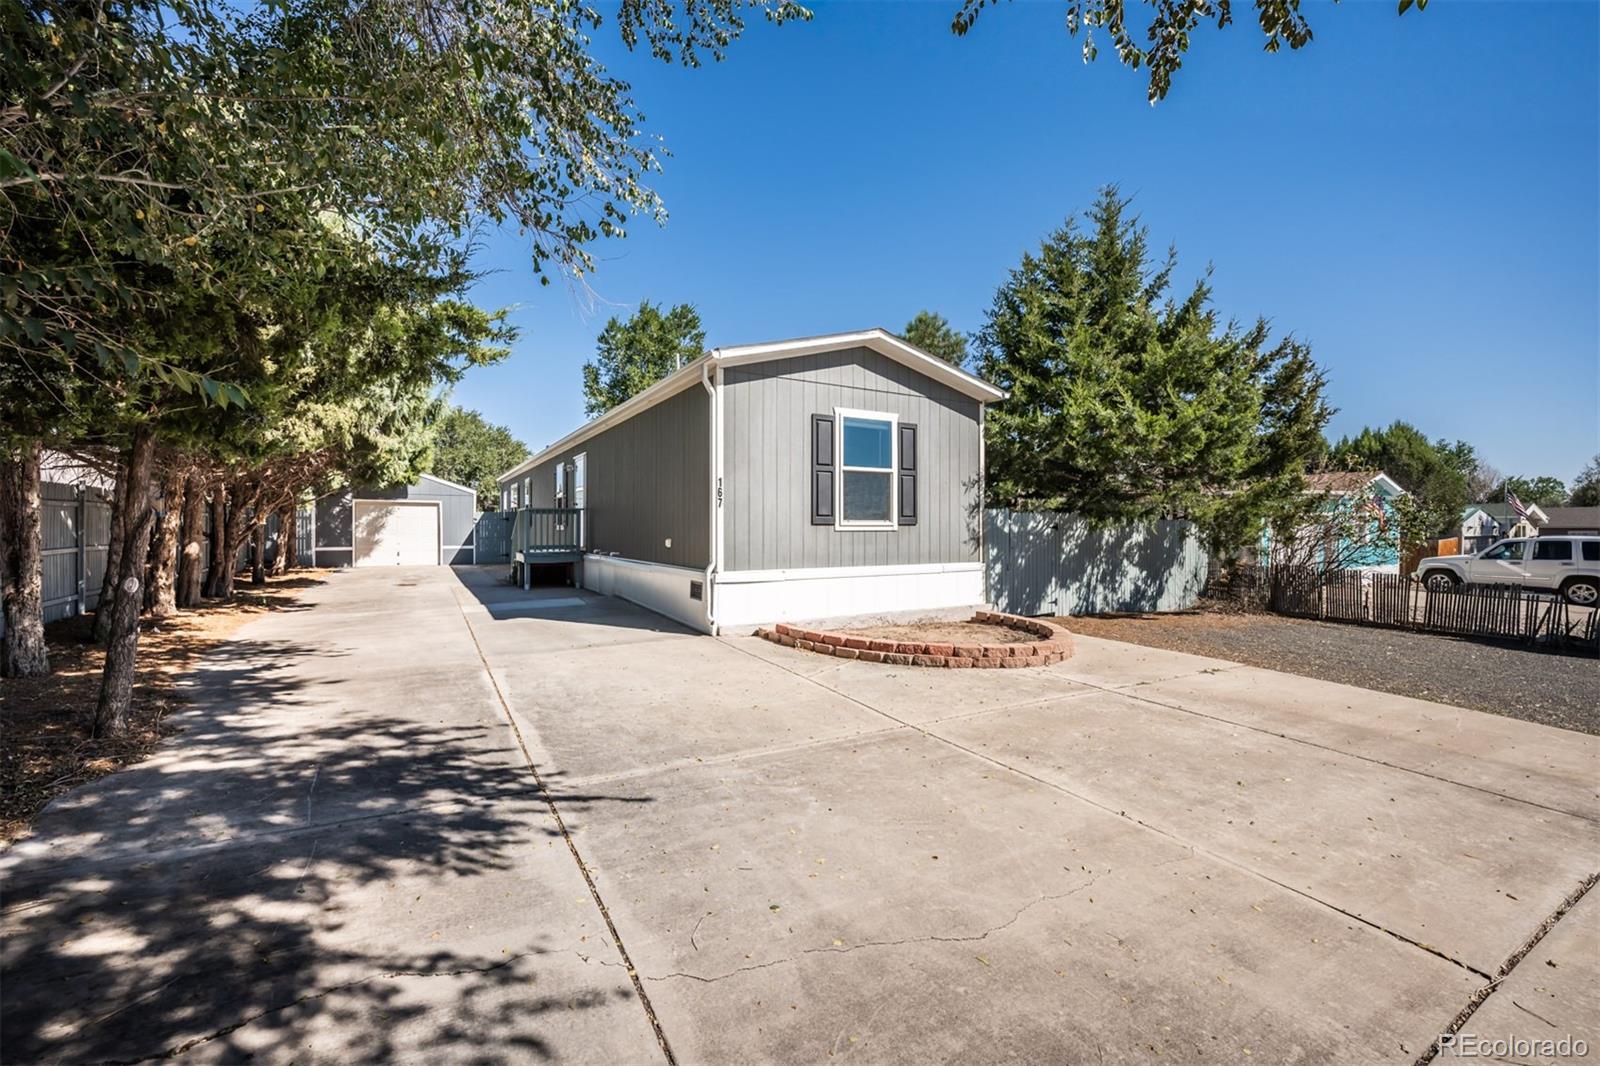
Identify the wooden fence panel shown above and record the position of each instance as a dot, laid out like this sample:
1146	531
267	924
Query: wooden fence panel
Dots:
1495	612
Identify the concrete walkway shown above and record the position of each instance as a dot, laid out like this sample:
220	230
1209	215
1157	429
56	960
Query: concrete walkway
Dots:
414	819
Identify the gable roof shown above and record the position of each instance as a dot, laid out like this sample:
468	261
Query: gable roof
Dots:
1345	482
1573	517
452	484
692	373
1502	512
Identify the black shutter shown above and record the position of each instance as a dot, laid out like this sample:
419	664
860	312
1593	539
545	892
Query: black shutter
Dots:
908	473
822	470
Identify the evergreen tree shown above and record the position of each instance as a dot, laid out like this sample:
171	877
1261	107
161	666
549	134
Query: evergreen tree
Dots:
637	352
1128	406
932	333
1435	474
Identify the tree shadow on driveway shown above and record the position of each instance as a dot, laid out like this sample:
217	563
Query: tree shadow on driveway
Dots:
298	875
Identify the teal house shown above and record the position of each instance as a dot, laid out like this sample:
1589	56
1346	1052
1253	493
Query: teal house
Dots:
1356	527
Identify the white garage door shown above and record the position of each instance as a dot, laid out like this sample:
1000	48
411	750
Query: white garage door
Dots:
396	533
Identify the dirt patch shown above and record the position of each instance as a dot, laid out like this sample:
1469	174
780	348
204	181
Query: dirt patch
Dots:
45	747
945	633
1536	686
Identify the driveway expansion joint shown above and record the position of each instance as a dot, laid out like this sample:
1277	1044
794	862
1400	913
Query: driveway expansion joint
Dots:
1115	812
572	845
1513	960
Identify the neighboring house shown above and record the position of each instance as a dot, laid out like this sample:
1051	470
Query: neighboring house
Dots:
1356	527
1570	521
823	477
1484	523
429	523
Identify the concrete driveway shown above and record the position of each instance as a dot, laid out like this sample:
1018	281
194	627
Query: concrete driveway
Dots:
436	818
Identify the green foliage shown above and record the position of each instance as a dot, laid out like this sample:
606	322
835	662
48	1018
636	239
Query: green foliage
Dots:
1435	474
1586	489
1168	33
152	147
470	450
1544	490
1128	406
637	352
932	333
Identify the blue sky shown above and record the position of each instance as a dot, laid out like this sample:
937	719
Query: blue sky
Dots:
1415	196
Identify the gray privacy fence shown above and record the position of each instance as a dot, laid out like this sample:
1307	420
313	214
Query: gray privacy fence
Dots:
76	530
1048	562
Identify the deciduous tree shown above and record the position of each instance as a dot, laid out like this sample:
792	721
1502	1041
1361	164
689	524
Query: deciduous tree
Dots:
636	352
470	450
1433	473
1544	490
1586	489
1160	42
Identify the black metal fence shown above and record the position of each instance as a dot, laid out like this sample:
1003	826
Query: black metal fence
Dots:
1492	612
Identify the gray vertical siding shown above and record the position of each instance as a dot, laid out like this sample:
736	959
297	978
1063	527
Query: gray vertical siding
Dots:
458	512
1046	562
649	480
767	408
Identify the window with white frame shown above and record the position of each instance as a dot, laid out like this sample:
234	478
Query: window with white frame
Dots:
866	447
580	480
561	492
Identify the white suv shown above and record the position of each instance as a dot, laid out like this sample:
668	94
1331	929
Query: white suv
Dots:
1569	565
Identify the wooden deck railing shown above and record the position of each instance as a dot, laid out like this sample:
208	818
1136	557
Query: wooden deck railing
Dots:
548	529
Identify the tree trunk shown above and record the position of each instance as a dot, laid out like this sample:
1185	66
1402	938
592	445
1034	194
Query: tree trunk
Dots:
218	566
24	653
163	597
191	564
108	581
228	538
258	557
287	546
116	684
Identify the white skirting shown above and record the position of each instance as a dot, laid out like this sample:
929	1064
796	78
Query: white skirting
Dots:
657	586
754	597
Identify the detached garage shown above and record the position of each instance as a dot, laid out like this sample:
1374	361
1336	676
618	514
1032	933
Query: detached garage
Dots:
429	523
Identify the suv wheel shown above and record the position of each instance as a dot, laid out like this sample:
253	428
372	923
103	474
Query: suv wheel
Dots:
1582	591
1440	581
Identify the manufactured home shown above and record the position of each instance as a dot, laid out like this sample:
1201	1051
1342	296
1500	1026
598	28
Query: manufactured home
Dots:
819	478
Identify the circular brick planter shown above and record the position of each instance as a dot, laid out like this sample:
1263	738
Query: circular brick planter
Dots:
1056	645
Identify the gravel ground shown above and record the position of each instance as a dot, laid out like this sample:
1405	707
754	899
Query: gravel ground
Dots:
1544	687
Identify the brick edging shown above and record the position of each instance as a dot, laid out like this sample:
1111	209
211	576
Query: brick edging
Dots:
1055	647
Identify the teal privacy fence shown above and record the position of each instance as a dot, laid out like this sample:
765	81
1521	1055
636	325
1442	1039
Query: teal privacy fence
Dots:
1052	562
492	535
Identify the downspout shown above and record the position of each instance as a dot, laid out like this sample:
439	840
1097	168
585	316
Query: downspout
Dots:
709	584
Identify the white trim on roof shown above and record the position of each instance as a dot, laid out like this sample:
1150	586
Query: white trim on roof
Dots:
877	339
1393	486
452	484
1388	482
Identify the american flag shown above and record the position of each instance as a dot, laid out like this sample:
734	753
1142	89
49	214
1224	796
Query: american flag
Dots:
1515	504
